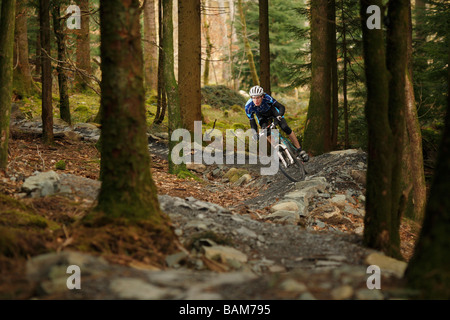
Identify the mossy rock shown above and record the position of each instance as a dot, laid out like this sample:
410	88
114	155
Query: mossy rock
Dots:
152	100
237	108
60	165
186	174
221	97
81	109
234	174
23	232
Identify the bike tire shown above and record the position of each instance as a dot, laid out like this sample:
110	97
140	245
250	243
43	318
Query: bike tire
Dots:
295	172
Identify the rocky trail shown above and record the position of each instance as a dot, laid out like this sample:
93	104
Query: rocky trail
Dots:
244	236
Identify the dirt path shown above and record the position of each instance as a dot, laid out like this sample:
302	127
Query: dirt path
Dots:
309	257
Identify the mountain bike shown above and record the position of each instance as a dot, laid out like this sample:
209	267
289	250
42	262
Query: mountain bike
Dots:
290	165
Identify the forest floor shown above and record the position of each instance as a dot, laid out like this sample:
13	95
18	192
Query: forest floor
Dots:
27	155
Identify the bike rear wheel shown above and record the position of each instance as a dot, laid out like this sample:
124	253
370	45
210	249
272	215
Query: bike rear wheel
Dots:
294	172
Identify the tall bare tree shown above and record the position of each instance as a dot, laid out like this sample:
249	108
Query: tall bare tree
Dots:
344	75
171	85
23	81
264	45
128	189
58	27
7	15
83	46
247	47
385	109
189	64
317	131
428	269
208	44
414	156
161	104
46	75
334	72
150	45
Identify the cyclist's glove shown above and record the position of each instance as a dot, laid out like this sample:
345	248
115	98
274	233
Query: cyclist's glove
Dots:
304	155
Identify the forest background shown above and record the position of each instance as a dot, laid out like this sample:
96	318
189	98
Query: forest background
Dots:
336	78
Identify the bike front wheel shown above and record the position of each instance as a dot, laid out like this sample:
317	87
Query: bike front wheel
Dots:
294	172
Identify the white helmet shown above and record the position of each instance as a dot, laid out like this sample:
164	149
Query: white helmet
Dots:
256	91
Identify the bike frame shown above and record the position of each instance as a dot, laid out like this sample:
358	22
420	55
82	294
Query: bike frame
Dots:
283	156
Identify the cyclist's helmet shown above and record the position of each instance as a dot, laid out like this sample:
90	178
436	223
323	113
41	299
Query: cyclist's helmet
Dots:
256	91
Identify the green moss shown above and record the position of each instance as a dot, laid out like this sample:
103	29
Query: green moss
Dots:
151	100
81	109
22	231
16	218
237	108
237	126
234	174
60	165
8	202
221	97
183	173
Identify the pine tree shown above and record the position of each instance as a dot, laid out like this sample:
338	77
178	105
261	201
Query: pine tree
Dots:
127	189
189	63
7	14
317	130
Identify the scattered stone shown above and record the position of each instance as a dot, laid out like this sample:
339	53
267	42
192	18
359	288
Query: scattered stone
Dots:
41	184
342	292
197	167
387	264
292	285
257	249
284	216
223	254
131	288
174	260
285	206
339	199
369	294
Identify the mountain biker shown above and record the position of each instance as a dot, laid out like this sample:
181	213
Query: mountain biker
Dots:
265	108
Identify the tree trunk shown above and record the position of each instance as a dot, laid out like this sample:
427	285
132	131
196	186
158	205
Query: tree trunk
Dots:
264	45
334	72
379	167
46	76
23	81
397	51
189	62
37	60
417	174
58	26
83	47
150	46
7	15
171	85
317	132
232	35
209	45
428	269
248	49
127	189
385	116
344	78
161	103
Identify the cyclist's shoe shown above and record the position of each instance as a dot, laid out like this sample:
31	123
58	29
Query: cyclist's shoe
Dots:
303	155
